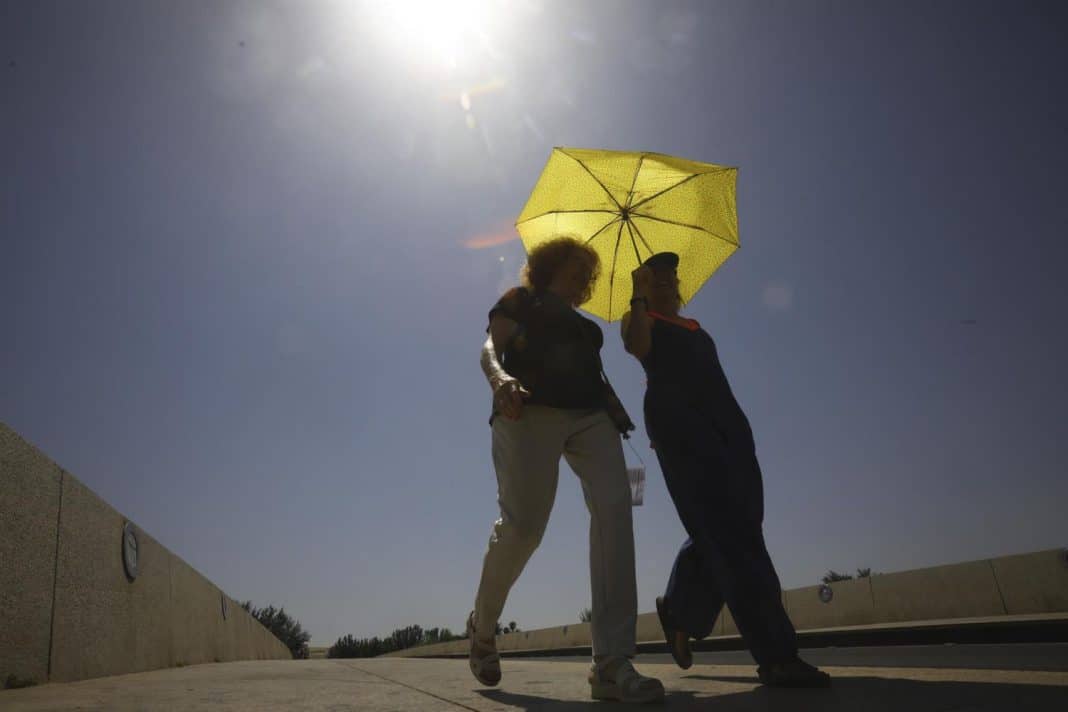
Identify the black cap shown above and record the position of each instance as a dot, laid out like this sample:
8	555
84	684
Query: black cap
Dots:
663	260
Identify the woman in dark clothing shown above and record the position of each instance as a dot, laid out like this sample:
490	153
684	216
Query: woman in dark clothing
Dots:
705	447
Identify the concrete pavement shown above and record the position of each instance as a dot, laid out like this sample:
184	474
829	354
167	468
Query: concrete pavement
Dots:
530	684
1017	656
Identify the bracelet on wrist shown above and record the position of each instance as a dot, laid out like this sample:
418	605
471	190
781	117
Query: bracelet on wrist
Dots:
640	300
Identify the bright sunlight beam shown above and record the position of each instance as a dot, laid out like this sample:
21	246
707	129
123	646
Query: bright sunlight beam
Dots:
437	34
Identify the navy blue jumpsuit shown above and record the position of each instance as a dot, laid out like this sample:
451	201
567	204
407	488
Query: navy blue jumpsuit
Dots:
706	451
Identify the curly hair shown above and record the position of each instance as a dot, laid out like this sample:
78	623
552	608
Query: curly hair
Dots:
548	257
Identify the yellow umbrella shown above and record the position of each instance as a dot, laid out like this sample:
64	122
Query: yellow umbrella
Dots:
628	206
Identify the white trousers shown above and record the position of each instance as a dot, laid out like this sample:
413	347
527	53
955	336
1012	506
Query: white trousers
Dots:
526	455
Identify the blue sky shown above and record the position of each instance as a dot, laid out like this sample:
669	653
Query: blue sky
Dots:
248	250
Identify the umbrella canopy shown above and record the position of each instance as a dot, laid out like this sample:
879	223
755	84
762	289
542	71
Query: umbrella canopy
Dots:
629	206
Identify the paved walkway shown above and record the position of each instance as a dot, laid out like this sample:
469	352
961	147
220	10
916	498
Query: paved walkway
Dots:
531	684
1016	656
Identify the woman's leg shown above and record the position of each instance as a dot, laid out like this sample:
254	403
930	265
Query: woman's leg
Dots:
747	553
526	456
719	498
692	600
594	451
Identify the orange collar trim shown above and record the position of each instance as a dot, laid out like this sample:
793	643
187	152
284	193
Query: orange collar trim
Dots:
688	324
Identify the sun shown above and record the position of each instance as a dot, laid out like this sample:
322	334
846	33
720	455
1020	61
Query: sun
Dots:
437	35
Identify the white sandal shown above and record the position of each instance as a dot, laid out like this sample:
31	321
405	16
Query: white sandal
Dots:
624	683
483	657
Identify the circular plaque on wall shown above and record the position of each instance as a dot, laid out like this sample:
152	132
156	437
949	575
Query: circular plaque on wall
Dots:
826	593
130	550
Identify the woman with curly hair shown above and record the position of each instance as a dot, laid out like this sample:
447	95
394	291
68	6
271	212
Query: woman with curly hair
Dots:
542	360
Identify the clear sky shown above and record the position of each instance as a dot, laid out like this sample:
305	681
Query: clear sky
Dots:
248	250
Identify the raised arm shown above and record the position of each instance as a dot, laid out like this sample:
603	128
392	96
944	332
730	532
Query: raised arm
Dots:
637	325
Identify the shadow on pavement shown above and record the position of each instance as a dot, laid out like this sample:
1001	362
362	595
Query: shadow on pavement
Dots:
852	694
676	699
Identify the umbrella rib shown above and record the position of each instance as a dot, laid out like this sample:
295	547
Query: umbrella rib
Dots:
665	190
603	228
682	224
612	274
634	180
634	244
642	238
688	178
603	186
553	212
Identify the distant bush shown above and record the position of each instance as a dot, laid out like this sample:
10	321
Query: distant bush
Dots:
586	615
286	628
408	637
349	646
439	635
832	575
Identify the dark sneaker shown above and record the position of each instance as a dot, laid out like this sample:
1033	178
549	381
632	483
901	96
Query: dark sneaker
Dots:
796	673
678	642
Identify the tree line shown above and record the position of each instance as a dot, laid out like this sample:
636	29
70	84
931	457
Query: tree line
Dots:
349	646
286	628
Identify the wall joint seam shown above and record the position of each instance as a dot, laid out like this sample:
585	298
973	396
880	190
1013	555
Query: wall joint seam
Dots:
55	574
997	585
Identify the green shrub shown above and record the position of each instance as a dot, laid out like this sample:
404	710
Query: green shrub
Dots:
286	628
349	646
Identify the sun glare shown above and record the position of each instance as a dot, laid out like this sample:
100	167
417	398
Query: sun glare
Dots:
436	34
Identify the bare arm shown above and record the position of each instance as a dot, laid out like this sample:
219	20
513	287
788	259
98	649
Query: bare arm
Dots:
508	393
502	329
637	326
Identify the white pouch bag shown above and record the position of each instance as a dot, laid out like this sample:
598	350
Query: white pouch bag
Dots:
636	475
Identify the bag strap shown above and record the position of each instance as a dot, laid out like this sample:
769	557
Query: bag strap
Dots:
608	384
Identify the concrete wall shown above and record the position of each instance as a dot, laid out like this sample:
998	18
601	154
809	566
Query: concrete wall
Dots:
29	517
67	609
1035	583
851	604
956	591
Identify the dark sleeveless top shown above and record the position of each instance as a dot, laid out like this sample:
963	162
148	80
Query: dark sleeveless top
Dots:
554	354
685	376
